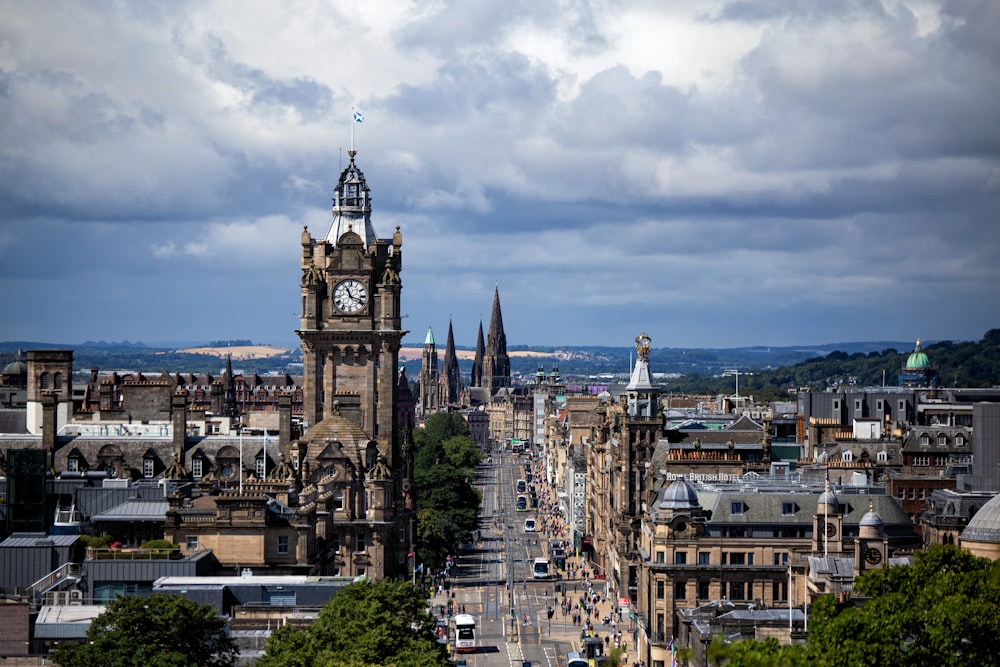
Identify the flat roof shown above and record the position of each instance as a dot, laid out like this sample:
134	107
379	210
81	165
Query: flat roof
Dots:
66	621
252	580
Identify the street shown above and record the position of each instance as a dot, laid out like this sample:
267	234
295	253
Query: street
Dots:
494	582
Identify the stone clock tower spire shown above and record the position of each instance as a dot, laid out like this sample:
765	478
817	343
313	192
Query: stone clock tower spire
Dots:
349	459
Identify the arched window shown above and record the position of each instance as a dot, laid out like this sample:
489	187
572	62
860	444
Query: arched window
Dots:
57	381
371	455
43	381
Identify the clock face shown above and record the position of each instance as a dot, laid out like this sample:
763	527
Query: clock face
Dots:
350	296
873	556
831	529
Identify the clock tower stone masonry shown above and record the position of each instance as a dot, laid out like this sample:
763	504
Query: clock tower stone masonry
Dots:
352	459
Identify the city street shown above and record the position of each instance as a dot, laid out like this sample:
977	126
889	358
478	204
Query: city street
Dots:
494	582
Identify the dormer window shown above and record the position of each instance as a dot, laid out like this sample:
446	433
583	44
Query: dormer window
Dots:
196	467
942	440
72	464
148	465
960	440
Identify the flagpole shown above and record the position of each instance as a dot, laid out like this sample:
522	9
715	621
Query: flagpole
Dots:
241	460
353	111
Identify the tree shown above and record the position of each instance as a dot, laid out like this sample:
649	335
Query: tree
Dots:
156	631
942	610
366	624
447	502
462	452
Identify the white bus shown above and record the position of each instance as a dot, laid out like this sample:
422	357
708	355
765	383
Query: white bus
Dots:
465	633
540	568
574	659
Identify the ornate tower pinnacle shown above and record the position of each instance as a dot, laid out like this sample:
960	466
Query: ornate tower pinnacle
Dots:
451	376
496	363
477	364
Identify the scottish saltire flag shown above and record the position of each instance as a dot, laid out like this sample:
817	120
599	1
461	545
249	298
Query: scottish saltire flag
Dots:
359	117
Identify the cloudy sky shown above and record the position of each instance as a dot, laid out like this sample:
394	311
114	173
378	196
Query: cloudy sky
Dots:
717	174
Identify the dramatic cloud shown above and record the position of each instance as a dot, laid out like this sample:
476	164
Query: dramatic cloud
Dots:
714	173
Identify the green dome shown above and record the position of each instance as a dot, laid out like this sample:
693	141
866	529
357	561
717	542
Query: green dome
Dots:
917	359
16	367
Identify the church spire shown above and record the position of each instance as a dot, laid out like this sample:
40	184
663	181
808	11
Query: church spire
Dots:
229	397
451	376
430	389
477	364
496	363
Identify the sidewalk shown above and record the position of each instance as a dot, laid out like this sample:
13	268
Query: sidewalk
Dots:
575	591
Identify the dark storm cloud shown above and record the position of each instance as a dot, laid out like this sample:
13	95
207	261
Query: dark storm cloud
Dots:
713	173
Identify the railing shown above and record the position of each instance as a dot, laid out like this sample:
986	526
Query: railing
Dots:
134	554
35	591
188	517
52	578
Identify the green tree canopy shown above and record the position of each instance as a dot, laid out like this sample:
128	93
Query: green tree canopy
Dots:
156	631
462	452
942	610
447	502
366	624
429	439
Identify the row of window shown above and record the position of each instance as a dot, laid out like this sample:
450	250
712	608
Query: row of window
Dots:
728	558
942	440
734	590
913	492
881	406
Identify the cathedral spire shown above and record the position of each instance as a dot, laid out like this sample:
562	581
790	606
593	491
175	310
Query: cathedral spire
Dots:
496	363
477	364
452	377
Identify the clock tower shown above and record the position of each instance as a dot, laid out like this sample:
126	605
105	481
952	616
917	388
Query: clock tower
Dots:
350	459
871	548
828	523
